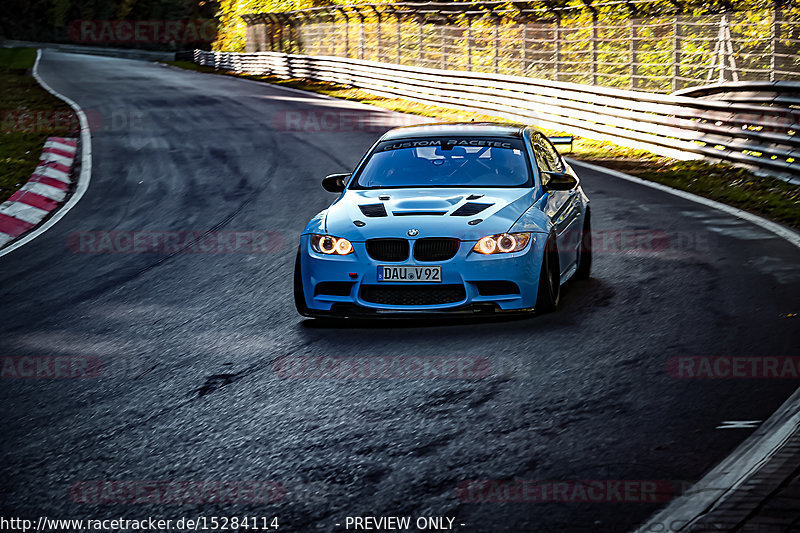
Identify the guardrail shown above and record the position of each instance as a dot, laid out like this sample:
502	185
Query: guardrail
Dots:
760	137
125	53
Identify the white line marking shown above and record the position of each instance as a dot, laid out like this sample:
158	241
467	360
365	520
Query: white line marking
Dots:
4	238
44	190
24	212
739	424
785	233
86	166
729	475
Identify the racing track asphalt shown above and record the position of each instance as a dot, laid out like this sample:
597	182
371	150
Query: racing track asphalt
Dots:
188	342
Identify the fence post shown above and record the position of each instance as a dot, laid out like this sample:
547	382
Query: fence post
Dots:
676	53
361	34
524	49
399	35
496	26
594	45
469	43
443	38
633	52
558	49
332	43
346	31
775	35
420	29
380	36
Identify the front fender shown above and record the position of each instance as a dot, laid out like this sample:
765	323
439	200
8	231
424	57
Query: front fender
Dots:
316	224
533	220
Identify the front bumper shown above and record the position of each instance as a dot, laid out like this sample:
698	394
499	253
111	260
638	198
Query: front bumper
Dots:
463	286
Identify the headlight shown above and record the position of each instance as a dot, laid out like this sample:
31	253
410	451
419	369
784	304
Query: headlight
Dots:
326	244
502	244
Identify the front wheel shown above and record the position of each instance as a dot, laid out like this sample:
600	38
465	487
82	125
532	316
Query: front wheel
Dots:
549	279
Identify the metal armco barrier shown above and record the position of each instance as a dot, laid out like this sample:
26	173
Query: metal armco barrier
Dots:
757	132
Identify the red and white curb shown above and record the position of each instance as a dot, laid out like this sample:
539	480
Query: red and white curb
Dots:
43	193
81	178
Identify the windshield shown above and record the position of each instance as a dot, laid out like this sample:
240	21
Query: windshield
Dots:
445	162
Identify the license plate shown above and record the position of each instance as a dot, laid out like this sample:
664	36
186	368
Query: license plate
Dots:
416	274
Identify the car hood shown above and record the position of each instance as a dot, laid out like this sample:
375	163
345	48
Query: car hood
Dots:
429	211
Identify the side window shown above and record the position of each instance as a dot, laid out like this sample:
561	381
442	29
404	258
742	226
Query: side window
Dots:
540	154
551	154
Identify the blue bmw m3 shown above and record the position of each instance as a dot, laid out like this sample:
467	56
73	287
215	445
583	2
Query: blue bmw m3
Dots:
447	218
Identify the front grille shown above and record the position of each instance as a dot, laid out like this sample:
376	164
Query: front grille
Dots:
496	288
388	249
373	210
435	249
413	294
469	209
333	288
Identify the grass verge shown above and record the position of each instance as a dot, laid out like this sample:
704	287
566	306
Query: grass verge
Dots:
766	196
28	116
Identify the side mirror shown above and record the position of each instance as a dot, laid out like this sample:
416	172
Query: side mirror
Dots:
559	181
334	182
563	140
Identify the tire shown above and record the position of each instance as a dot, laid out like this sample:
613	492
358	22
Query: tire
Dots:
585	255
549	279
299	296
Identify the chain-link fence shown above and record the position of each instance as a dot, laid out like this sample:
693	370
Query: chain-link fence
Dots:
659	53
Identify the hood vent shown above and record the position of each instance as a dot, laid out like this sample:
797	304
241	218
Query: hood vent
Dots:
373	210
469	209
418	213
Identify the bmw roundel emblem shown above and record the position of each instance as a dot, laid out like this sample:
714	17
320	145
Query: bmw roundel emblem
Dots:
413	232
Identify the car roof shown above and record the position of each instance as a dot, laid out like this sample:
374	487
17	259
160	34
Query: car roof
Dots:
462	129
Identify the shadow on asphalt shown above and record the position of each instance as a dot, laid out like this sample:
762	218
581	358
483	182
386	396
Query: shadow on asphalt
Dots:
575	295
